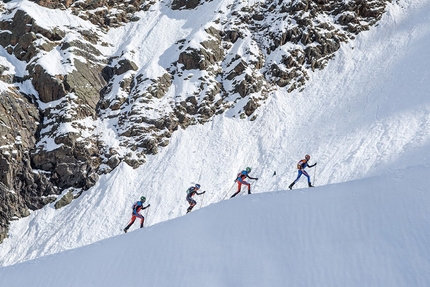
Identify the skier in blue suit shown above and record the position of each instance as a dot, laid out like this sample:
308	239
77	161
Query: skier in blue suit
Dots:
137	207
240	179
301	165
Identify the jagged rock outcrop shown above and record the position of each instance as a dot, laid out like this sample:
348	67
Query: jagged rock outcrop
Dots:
185	4
23	187
105	13
72	98
52	141
311	44
65	200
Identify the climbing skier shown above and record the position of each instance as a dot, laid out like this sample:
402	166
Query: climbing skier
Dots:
301	165
137	207
190	193
241	176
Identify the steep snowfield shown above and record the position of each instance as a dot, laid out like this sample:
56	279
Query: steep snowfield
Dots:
368	232
365	116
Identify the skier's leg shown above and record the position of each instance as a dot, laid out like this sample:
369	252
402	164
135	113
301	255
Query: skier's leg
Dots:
248	185
192	204
142	219
299	174
130	223
297	178
307	175
291	185
236	193
309	178
239	186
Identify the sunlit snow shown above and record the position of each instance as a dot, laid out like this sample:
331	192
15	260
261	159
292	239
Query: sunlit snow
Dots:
365	119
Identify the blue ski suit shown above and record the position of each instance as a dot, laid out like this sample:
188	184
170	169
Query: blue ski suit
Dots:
301	165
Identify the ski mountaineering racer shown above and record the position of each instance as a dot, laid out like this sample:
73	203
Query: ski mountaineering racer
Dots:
241	176
137	207
190	193
301	165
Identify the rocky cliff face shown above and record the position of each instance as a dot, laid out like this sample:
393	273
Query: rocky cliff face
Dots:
50	119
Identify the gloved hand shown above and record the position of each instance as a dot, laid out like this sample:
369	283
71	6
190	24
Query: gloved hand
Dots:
148	205
204	191
256	178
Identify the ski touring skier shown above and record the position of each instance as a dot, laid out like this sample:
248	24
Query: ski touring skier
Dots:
190	193
137	207
301	165
241	176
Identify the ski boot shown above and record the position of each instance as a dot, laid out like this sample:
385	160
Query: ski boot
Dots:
235	194
310	184
291	185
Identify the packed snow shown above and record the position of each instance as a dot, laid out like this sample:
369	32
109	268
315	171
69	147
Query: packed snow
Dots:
365	119
369	232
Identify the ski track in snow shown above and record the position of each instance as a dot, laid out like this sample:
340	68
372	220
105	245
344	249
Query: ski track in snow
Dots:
366	114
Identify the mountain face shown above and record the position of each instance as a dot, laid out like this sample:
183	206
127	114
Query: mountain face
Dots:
77	98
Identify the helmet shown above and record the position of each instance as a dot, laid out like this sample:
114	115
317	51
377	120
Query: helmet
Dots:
142	198
197	186
248	169
307	157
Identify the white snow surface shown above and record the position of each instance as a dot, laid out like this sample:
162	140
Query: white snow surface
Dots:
365	119
369	232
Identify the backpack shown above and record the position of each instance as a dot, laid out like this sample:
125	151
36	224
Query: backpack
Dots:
135	205
240	174
300	164
190	190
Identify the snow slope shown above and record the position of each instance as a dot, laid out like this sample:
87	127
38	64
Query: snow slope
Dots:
368	232
365	119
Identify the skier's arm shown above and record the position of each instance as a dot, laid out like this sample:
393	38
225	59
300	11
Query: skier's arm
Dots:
255	178
312	165
200	192
146	206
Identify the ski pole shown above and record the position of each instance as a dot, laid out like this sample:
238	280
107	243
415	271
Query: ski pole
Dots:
315	175
255	180
277	182
225	196
203	197
146	215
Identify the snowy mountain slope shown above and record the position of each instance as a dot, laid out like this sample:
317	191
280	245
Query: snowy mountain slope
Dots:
205	72
158	69
366	114
368	232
